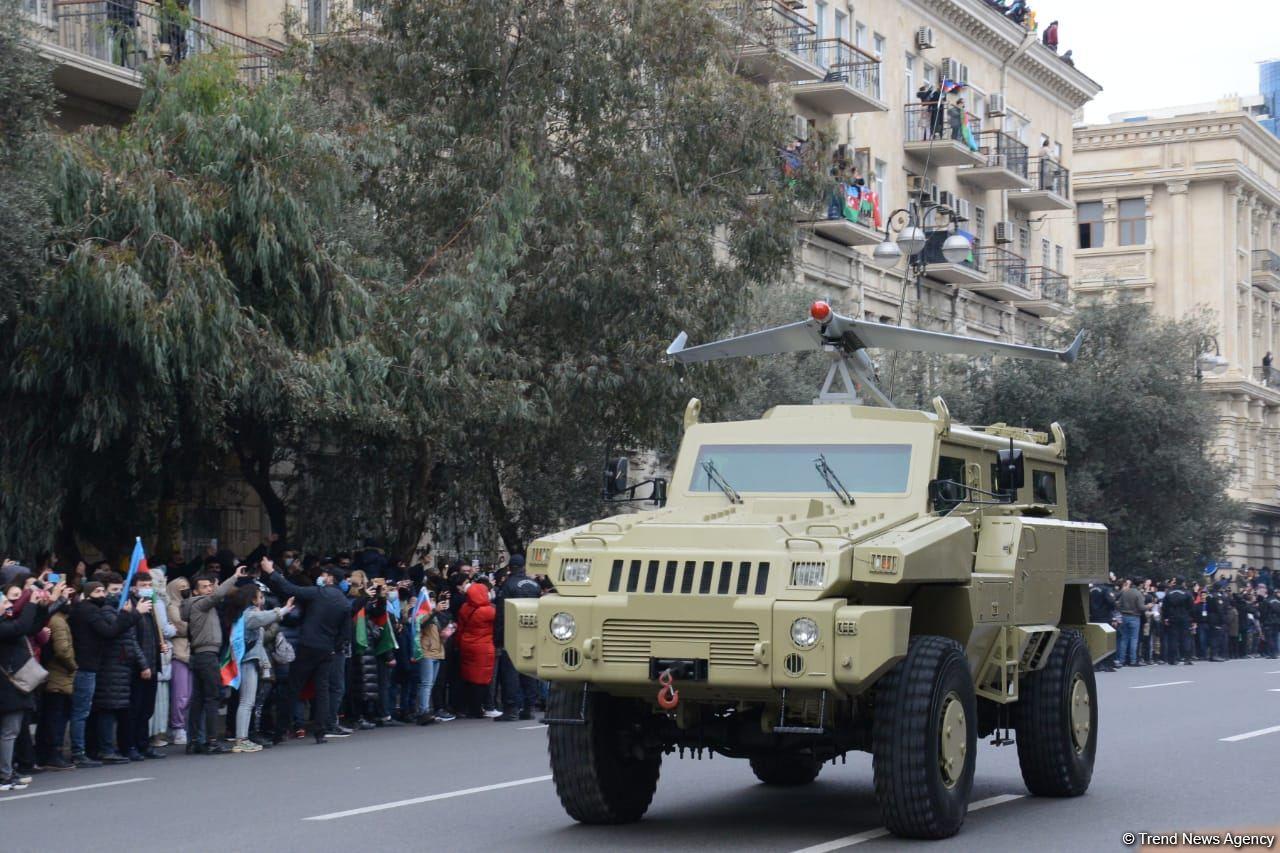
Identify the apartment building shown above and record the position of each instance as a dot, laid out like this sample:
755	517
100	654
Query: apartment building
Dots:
996	168
1182	209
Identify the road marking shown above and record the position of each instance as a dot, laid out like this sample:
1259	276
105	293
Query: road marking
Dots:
1161	684
1274	672
1247	735
528	728
430	799
872	834
1273	689
77	788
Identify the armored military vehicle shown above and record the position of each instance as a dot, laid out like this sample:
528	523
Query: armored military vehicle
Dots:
828	578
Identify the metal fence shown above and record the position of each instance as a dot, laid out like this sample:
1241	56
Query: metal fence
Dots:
1048	284
843	62
1003	151
1003	266
939	121
130	33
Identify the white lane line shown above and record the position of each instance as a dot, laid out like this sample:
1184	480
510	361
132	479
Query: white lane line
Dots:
1274	672
429	799
528	728
1161	684
1247	735
872	834
77	788
1273	689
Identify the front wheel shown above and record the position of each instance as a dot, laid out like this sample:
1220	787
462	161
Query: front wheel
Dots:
1056	720
602	774
924	737
785	770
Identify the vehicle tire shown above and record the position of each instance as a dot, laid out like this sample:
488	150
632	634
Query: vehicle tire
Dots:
599	777
1056	721
924	740
785	769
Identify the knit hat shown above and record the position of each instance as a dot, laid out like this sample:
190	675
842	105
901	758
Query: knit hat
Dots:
90	586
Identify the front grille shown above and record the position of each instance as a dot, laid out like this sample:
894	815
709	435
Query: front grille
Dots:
1087	555
628	640
689	577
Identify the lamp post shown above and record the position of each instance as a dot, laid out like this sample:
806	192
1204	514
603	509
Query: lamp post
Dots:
911	239
1213	363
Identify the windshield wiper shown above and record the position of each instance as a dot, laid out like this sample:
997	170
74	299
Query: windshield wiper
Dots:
833	482
714	475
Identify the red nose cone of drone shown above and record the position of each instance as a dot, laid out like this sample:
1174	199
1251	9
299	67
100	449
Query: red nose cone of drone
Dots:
820	311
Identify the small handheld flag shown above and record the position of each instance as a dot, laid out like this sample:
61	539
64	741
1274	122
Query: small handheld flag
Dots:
234	654
138	561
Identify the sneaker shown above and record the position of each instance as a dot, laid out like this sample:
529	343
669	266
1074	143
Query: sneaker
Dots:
246	745
365	725
425	719
113	758
390	722
13	783
343	729
444	717
338	732
154	754
59	763
526	715
216	749
492	713
179	737
506	718
134	755
79	759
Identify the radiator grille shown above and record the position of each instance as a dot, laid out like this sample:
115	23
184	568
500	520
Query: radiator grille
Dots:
1087	555
628	640
689	577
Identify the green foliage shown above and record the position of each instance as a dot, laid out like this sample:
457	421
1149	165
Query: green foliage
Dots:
1140	432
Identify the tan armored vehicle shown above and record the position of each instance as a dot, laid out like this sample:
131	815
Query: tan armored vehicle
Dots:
827	578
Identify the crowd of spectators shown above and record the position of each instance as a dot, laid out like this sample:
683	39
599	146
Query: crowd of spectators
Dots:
1171	622
222	655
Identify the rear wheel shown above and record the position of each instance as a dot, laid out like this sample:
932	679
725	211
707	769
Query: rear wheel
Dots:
601	772
1056	719
924	738
785	769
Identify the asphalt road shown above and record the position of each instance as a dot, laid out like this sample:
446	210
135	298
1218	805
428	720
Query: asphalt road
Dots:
1170	758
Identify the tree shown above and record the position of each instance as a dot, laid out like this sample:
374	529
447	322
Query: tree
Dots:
569	185
1140	431
204	301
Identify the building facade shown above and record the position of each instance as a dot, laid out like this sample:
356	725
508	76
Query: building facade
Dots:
991	159
1183	212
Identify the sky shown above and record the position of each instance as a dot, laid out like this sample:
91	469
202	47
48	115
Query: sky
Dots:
1147	53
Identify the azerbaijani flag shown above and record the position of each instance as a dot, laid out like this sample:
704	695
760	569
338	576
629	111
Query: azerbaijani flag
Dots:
362	632
420	612
949	86
967	131
850	202
137	563
387	637
233	655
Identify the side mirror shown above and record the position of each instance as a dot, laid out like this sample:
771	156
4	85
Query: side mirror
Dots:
615	476
947	492
1010	475
659	492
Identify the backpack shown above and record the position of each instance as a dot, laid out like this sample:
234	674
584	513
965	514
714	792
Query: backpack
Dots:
282	652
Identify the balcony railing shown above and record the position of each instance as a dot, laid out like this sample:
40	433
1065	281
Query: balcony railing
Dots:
129	33
1003	152
1003	266
940	121
846	64
1048	284
1266	261
767	22
1050	175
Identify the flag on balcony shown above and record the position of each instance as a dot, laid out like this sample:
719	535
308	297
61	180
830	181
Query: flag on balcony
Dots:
967	132
949	86
851	201
871	208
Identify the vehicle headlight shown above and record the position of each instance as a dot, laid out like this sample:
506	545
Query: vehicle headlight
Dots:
808	573
804	633
563	627
575	571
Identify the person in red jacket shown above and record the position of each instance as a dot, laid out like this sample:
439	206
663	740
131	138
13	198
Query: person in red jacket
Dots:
475	643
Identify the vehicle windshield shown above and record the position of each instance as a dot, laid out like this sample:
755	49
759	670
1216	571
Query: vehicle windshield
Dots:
862	468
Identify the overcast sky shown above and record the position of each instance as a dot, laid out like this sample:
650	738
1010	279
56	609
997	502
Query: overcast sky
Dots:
1147	53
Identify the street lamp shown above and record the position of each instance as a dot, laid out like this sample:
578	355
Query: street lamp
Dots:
1215	364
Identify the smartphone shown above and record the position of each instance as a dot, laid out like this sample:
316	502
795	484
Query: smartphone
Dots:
55	578
475	563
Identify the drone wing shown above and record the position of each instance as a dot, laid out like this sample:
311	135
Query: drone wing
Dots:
793	337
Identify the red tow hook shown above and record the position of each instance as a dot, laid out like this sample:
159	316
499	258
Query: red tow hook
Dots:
668	696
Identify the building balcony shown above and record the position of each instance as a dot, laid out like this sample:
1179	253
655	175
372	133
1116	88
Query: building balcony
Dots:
968	272
850	82
938	135
1050	293
1266	270
1005	167
850	220
99	47
1050	187
775	40
1007	275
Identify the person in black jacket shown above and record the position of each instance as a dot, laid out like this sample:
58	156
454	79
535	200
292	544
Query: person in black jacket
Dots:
519	691
1102	608
1269	608
325	624
135	743
1175	611
94	626
121	661
17	626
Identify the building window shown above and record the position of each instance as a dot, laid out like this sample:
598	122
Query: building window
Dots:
1133	221
1089	224
820	18
1045	257
878	49
860	35
930	74
842	25
1024	241
1057	258
910	67
878	181
979	223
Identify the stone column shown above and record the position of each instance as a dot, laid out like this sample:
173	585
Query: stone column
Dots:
1180	237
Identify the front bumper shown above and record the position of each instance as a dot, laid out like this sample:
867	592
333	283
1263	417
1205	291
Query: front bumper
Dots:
745	641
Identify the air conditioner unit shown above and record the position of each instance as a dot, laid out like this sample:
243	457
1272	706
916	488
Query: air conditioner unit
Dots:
1005	232
995	104
950	70
962	208
924	38
947	199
